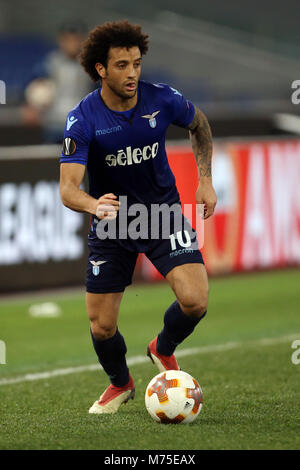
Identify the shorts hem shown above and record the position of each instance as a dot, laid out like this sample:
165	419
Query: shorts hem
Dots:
164	272
105	290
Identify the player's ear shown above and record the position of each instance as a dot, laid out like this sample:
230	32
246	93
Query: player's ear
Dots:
101	70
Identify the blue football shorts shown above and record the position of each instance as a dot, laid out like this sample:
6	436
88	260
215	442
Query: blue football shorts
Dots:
111	263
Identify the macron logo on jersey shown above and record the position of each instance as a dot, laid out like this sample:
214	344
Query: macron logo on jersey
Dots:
70	122
130	156
109	130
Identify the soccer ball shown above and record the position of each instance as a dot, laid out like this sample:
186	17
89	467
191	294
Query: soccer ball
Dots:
173	396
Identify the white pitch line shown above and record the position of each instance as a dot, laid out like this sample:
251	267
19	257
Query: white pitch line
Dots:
142	359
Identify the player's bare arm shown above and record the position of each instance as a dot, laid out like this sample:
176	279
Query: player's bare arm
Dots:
201	138
73	197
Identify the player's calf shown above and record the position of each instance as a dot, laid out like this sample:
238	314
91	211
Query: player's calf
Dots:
111	355
177	326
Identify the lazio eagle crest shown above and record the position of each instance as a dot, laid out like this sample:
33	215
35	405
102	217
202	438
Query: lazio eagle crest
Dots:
96	266
151	117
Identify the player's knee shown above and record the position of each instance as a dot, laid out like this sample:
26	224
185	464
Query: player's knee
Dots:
195	310
194	304
102	331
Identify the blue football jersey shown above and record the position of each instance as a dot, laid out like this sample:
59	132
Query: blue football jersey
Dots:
125	152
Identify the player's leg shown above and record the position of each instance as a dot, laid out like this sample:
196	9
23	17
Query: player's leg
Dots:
190	285
110	347
183	267
109	344
110	270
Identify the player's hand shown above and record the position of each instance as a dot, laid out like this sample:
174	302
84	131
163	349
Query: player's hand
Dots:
206	195
107	207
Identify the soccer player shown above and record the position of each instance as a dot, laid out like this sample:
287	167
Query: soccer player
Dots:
118	133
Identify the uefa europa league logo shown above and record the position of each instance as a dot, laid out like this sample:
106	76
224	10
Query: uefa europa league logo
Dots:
2	92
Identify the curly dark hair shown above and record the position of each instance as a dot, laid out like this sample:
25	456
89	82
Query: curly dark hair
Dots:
110	34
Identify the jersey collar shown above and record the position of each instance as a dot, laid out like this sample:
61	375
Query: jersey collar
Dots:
120	115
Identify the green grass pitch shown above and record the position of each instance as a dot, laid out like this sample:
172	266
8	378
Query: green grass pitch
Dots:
251	387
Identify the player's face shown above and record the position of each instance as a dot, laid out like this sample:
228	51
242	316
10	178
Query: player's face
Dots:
123	71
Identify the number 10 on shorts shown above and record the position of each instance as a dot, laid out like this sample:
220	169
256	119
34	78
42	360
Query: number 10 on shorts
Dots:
179	238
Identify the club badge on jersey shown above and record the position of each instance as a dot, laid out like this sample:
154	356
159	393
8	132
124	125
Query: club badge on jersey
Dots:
96	267
151	117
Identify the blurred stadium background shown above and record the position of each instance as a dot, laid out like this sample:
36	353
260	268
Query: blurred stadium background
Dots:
237	62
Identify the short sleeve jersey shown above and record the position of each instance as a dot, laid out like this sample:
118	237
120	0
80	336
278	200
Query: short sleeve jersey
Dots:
126	155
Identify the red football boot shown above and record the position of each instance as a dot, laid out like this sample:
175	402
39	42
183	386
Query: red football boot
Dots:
163	362
113	397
